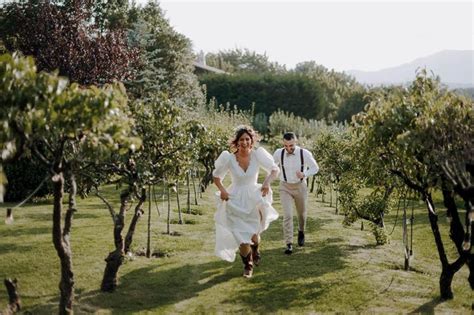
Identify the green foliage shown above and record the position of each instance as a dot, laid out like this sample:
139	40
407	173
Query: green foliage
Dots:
219	123
44	116
417	130
65	36
423	135
166	58
269	92
168	141
353	104
260	123
309	91
243	61
23	176
342	95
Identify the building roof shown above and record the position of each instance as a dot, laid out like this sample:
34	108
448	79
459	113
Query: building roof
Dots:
207	68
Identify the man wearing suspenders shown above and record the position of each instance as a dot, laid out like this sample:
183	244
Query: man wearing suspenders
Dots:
296	165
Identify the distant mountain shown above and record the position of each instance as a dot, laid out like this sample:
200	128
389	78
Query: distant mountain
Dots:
454	67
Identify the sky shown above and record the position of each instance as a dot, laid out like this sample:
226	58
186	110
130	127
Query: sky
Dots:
348	35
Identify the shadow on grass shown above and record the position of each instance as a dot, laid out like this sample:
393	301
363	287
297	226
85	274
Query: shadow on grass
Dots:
270	289
284	282
428	307
7	248
17	231
150	287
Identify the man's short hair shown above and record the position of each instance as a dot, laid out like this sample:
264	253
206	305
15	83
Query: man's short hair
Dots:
289	136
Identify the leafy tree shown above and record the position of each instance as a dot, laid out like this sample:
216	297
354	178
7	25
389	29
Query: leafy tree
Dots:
353	104
423	135
64	37
168	146
166	58
58	124
243	61
343	95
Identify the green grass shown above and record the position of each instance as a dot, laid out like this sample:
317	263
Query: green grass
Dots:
339	270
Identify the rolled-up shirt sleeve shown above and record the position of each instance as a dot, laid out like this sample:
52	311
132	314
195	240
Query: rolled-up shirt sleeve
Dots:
312	165
221	165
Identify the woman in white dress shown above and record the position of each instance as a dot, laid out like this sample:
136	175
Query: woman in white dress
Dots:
244	209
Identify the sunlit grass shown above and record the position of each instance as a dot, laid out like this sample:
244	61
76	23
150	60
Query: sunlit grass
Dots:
340	269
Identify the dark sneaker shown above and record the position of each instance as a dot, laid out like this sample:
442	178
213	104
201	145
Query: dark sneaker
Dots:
289	249
300	238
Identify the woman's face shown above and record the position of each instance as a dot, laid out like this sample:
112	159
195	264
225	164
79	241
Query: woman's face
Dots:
245	141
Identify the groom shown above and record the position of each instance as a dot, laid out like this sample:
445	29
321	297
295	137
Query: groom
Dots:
296	165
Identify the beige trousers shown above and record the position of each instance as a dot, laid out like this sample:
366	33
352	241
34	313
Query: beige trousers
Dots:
289	194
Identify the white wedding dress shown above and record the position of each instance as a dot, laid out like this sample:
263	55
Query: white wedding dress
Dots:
246	212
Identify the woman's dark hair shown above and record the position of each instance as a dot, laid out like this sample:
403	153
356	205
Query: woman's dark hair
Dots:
239	132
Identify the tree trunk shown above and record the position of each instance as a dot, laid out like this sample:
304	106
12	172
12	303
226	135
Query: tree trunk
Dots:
148	237
405	239
180	216
188	200
115	259
330	195
14	301
312	183
138	213
445	282
62	245
156	201
446	277
169	212
195	192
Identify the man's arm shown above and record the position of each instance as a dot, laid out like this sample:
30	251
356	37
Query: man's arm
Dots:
313	166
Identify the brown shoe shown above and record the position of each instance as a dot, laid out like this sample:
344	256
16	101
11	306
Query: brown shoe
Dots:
256	254
248	265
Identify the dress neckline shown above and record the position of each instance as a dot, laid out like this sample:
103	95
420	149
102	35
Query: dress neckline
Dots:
250	162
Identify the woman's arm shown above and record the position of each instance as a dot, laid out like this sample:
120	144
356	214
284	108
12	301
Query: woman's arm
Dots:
266	183
218	183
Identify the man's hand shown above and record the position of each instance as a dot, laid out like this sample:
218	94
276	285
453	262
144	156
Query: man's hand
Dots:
265	190
300	175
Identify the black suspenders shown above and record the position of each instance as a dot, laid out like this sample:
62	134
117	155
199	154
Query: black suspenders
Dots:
302	161
283	166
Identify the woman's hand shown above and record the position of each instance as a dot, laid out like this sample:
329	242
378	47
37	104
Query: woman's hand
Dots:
265	190
224	195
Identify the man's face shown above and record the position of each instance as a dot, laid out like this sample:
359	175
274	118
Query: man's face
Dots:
289	145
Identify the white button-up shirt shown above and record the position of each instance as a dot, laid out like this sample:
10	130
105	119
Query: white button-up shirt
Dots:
292	164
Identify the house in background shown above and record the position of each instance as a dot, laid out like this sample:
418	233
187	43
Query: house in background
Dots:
200	66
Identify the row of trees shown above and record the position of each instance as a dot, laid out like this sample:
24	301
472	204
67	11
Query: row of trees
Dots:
160	125
308	90
149	129
417	139
90	137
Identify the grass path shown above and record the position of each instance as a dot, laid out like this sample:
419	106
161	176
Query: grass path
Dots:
339	270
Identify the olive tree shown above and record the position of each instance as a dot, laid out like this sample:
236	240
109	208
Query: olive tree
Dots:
59	124
423	136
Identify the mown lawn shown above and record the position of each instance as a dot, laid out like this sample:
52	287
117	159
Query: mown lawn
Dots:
339	270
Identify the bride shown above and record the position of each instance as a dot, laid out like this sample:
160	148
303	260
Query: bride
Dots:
244	209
